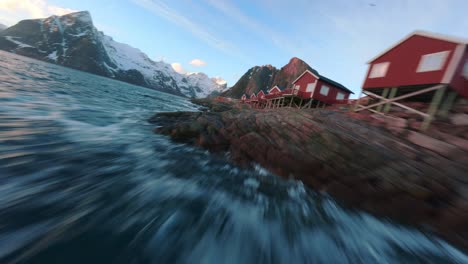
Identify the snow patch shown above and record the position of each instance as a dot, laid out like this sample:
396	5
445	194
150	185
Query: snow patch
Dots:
127	58
19	43
53	56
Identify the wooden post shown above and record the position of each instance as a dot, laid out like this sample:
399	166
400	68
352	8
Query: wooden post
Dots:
300	104
436	99
448	103
324	104
384	95
393	92
357	102
290	102
310	103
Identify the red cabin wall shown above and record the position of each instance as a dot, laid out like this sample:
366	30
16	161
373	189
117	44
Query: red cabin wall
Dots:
261	95
274	90
460	83
404	60
303	82
331	97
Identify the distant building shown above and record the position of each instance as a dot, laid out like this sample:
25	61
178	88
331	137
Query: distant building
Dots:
312	85
274	90
261	95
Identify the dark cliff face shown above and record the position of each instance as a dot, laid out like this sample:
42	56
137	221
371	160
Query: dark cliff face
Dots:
69	40
264	77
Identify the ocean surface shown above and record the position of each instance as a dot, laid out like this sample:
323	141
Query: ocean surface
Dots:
83	179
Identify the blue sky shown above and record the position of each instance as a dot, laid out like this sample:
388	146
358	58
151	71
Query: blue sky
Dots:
336	37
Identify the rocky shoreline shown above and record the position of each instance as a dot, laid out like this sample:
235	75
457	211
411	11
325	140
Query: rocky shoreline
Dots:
377	164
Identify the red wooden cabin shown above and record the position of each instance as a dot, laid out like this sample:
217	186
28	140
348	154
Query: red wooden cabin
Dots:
253	98
312	85
261	95
274	90
421	66
420	60
243	98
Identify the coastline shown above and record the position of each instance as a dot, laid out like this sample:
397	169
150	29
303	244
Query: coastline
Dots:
373	164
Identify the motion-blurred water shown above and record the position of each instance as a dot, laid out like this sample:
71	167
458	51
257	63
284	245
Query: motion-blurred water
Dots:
84	180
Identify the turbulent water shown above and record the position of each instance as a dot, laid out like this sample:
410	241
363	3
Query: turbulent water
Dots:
84	180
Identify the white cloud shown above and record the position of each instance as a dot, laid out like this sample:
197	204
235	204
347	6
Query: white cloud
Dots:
11	11
178	68
198	63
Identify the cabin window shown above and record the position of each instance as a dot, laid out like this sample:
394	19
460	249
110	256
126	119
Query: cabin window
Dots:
465	70
432	62
339	96
379	70
310	87
324	90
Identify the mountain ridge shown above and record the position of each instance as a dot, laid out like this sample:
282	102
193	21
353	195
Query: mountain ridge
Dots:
73	41
265	77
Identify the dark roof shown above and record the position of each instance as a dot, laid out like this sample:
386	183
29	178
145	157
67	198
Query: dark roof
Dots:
332	82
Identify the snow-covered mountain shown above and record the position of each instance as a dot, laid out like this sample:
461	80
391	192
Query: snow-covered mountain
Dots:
2	27
73	41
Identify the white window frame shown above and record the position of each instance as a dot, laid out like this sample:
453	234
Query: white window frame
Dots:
433	61
311	86
338	95
465	70
379	70
323	88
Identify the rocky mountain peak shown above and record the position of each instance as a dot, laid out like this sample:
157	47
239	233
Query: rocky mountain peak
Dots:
72	40
264	77
295	66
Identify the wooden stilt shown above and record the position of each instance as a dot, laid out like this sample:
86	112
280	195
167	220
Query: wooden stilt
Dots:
393	101
357	102
384	95
300	104
290	102
436	99
448	103
393	92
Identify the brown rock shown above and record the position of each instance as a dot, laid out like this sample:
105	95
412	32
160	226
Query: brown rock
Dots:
459	119
415	179
430	143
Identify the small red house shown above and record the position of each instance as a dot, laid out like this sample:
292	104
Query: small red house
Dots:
253	97
243	98
274	90
420	60
261	95
312	85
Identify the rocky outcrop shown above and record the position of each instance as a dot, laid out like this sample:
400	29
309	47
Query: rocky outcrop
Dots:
386	169
265	77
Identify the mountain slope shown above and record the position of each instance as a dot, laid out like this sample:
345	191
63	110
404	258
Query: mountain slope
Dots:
2	27
73	41
264	77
